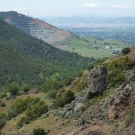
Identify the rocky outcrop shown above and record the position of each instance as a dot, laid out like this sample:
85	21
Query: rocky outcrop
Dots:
97	80
123	99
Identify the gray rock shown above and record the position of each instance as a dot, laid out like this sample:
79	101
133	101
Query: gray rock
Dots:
123	99
78	107
97	80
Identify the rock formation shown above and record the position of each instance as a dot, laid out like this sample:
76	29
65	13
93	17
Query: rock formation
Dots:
97	80
123	99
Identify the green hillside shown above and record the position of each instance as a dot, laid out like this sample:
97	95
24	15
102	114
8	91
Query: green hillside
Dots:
27	59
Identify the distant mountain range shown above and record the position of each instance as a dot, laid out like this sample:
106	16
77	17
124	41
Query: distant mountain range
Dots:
92	21
36	28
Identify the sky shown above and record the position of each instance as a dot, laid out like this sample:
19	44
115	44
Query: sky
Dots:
59	8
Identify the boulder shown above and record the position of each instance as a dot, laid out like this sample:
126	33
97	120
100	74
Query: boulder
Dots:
97	80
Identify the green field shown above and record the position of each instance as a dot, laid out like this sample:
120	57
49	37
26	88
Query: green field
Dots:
84	46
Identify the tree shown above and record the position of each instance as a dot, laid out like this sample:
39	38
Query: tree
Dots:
125	50
25	88
13	89
68	96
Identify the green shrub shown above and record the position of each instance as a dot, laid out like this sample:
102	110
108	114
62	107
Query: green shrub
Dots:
130	117
25	88
13	89
2	104
120	63
19	106
51	84
116	78
52	94
36	110
22	121
81	85
125	50
2	123
68	81
8	97
80	73
39	131
58	103
3	95
90	66
67	97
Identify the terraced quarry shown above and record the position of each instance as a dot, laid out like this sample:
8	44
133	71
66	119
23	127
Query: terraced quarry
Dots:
36	28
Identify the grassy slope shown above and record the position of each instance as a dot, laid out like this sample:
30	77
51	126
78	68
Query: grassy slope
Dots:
84	46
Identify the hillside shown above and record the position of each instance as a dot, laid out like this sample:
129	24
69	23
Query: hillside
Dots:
37	28
27	59
85	106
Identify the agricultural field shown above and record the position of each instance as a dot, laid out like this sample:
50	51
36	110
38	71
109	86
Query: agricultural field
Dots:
85	46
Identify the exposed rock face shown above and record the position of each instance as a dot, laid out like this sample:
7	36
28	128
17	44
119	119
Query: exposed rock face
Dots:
123	99
78	107
38	28
97	80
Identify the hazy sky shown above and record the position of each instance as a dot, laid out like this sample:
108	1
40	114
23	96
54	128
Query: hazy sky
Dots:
43	8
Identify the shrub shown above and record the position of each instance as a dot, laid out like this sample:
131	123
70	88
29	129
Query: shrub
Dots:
125	50
82	84
2	123
58	102
130	117
25	88
39	131
52	94
68	81
3	95
80	73
19	106
51	84
2	104
90	66
36	110
8	97
22	121
116	78
13	89
121	63
36	100
67	97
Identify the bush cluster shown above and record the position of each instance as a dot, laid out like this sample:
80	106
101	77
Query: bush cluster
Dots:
67	97
125	50
19	106
39	131
36	110
121	63
3	119
130	118
22	121
116	78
